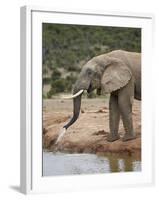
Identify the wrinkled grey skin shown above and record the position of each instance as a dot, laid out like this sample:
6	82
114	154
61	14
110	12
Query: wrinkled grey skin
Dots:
117	73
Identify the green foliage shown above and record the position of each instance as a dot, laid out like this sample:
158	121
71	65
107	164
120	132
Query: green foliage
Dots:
67	47
46	80
44	97
92	95
56	74
58	85
49	94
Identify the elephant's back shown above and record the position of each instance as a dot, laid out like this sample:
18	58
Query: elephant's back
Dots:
130	58
133	61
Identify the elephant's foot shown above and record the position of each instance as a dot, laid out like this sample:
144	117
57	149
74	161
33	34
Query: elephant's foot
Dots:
112	138
128	137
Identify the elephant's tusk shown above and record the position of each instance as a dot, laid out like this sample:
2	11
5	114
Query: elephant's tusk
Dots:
73	96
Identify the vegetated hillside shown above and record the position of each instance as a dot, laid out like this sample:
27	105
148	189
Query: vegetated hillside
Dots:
67	47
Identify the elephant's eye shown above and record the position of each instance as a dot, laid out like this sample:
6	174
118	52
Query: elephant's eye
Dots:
89	72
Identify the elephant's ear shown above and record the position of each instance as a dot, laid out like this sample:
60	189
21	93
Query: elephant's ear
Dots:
115	76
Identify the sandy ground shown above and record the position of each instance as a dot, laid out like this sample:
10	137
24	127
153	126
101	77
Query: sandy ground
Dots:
88	134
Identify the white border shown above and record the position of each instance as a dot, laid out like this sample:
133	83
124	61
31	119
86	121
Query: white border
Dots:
31	101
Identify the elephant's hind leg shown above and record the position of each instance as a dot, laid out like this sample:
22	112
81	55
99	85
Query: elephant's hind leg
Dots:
114	117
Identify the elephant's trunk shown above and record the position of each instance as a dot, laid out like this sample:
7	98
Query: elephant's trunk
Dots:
78	90
76	110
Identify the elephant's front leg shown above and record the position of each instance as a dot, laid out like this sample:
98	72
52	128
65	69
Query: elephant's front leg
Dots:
114	117
125	101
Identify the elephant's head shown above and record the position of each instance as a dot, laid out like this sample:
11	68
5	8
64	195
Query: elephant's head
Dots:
104	73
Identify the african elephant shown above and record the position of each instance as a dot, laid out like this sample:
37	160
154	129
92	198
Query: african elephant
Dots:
117	73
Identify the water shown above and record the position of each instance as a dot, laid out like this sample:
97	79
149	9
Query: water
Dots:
69	164
61	134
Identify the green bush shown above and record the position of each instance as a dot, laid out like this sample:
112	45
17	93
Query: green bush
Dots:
58	86
56	74
46	80
92	95
49	94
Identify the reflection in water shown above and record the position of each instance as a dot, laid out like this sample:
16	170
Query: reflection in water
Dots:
123	162
68	164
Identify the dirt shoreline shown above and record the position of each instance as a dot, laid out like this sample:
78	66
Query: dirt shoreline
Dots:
89	133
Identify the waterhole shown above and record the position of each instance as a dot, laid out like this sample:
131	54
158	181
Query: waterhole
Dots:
70	164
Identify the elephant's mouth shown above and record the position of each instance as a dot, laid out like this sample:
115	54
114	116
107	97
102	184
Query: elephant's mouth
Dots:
90	89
